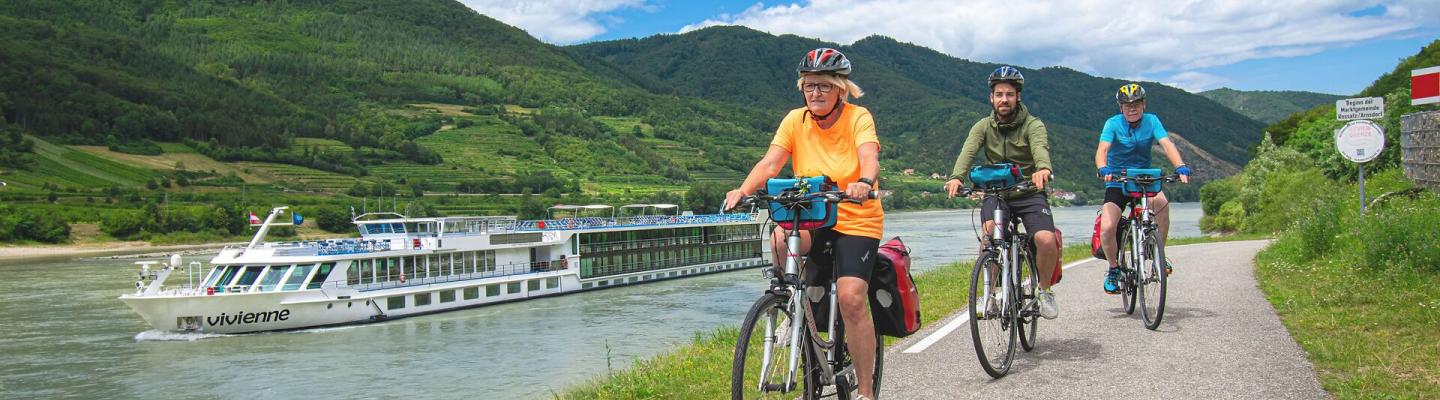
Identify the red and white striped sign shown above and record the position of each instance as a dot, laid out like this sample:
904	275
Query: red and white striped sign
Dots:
1425	86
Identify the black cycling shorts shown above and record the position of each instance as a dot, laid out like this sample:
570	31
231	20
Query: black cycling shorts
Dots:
855	256
1032	209
1117	196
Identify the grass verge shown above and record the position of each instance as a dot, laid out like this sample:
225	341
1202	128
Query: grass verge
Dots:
1372	331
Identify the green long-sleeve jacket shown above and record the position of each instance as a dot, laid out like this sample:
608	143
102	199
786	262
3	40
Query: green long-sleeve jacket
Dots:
1023	141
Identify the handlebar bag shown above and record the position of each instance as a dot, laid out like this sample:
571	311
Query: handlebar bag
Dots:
814	214
994	176
1133	189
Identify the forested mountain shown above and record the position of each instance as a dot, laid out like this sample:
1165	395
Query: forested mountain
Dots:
924	101
1268	106
434	96
243	80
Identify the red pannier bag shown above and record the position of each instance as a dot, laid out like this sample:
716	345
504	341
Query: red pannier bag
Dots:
1095	249
894	299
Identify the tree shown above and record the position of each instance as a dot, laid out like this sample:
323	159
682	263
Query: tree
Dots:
333	219
705	197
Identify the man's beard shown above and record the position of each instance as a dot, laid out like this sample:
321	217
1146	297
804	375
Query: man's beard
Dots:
1003	116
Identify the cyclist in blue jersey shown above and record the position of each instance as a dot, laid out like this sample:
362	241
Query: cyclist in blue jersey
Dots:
1126	142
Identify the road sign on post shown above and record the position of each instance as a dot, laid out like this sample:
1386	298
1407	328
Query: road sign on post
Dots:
1360	141
1425	86
1360	108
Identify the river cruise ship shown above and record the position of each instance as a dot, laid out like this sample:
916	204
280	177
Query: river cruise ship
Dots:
401	266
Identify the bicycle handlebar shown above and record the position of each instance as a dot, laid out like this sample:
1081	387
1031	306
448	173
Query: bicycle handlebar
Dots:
794	199
1023	185
1146	179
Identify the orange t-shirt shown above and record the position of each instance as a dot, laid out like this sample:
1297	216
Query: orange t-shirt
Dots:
835	153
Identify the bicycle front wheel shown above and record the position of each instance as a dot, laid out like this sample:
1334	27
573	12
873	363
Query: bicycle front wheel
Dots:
1127	271
761	366
1152	281
992	326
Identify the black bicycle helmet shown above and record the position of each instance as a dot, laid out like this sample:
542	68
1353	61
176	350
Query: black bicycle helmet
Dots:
1130	93
1007	73
824	60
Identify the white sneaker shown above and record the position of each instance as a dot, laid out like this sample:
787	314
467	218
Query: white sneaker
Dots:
1048	309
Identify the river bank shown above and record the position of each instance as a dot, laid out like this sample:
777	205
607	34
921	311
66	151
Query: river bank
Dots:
13	255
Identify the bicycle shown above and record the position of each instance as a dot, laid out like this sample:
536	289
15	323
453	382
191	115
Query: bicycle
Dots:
1003	308
1142	263
789	340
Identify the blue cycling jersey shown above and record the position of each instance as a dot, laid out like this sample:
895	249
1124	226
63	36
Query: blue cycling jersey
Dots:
1130	148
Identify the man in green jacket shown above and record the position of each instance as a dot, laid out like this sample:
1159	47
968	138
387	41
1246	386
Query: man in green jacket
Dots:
1011	135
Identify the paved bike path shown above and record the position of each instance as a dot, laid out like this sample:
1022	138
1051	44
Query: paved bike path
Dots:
1219	338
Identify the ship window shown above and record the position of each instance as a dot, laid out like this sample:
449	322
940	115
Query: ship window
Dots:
271	281
227	276
248	277
447	296
297	276
395	302
472	293
397	227
587	285
534	284
492	290
422	299
552	283
320	276
215	274
512	288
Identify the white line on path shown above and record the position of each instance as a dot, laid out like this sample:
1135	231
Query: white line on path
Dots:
961	320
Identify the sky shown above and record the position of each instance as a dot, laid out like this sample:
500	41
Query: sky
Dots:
1327	46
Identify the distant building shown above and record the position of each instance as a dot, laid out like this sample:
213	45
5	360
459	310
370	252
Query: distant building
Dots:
1063	194
936	175
908	171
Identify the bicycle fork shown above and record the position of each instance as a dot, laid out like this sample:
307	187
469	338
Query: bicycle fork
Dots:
997	237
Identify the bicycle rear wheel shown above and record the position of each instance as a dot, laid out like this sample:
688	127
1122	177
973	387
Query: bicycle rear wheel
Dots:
768	322
1152	281
992	327
1030	312
1127	271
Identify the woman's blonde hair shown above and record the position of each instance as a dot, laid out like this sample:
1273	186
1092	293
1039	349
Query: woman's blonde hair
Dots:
850	88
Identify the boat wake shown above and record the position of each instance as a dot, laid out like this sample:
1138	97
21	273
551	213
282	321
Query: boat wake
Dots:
170	336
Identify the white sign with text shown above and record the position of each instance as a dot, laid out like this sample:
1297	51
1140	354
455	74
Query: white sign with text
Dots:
1360	108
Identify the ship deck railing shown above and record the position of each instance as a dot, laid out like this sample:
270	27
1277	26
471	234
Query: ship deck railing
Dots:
665	242
330	247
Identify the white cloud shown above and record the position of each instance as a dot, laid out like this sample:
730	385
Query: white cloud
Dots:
556	21
1195	82
1105	37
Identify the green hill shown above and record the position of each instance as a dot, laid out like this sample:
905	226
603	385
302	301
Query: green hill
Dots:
1268	106
923	100
432	95
243	81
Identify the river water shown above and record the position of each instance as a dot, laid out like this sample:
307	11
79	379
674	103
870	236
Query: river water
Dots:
64	334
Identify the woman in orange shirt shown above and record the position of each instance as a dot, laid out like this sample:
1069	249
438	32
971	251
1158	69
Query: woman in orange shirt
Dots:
831	137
